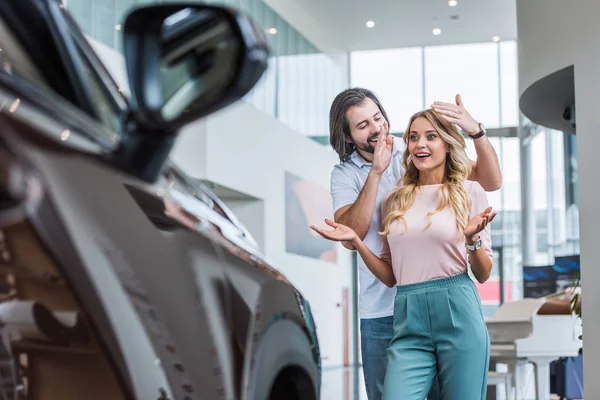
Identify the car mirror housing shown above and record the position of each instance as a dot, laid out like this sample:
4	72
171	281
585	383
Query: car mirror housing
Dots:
187	61
184	61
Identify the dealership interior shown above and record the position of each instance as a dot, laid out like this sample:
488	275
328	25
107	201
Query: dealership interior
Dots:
527	71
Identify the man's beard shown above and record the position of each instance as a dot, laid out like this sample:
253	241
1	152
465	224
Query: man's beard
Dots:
368	147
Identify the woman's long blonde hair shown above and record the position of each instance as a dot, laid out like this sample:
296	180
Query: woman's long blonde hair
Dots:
451	193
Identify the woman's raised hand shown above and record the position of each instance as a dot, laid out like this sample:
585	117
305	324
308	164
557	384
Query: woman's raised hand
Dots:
478	222
340	233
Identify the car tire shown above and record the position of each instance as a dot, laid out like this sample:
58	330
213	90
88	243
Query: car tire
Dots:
284	367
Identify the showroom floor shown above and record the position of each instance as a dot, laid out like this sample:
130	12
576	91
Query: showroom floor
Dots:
347	383
343	383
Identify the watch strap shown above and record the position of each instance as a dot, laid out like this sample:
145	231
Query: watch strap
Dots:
475	246
478	134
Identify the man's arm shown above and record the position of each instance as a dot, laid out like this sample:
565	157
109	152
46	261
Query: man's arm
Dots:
486	170
359	215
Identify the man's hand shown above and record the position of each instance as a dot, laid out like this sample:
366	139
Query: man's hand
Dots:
457	114
383	151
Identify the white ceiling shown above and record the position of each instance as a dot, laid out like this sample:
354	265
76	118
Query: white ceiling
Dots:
408	23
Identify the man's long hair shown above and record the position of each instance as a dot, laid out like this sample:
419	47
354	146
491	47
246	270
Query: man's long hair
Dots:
339	128
452	191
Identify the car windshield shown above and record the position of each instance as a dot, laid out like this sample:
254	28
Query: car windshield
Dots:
31	81
14	60
110	104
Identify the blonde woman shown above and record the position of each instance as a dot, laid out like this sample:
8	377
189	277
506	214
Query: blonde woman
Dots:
434	221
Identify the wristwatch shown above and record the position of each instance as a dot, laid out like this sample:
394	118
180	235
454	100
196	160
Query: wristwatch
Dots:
482	131
474	246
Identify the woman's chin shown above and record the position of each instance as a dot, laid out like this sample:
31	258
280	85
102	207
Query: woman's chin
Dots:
427	167
423	167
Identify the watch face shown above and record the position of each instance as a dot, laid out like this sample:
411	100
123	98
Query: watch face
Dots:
475	246
482	127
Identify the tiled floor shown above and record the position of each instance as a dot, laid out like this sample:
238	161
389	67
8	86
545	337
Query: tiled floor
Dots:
348	384
343	384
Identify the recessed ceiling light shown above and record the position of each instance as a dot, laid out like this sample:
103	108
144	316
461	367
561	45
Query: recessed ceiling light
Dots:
437	31
370	24
272	31
118	27
453	3
496	38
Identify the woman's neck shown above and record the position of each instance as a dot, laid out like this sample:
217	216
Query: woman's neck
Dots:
431	177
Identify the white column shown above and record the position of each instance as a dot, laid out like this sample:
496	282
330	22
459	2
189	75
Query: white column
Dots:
554	34
528	239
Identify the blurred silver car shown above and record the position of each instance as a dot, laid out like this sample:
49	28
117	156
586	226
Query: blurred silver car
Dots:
121	277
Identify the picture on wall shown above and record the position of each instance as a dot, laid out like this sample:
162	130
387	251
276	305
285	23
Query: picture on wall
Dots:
307	203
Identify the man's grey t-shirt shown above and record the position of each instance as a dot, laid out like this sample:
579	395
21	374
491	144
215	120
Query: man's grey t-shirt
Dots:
375	300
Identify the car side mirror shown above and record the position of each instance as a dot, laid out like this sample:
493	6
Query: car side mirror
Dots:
184	61
187	61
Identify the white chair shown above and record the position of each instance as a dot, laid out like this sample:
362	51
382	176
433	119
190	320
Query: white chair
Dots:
501	378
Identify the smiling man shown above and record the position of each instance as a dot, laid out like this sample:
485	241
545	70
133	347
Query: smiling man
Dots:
370	166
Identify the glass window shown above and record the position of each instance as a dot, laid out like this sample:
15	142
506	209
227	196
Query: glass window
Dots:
396	77
506	228
514	273
297	88
557	157
286	87
108	111
104	21
109	105
494	198
510	164
82	11
20	62
508	83
262	96
15	62
300	97
538	171
472	71
541	231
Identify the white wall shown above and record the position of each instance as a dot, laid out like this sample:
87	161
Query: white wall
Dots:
554	34
251	213
243	149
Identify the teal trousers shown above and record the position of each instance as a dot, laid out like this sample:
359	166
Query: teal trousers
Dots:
439	330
